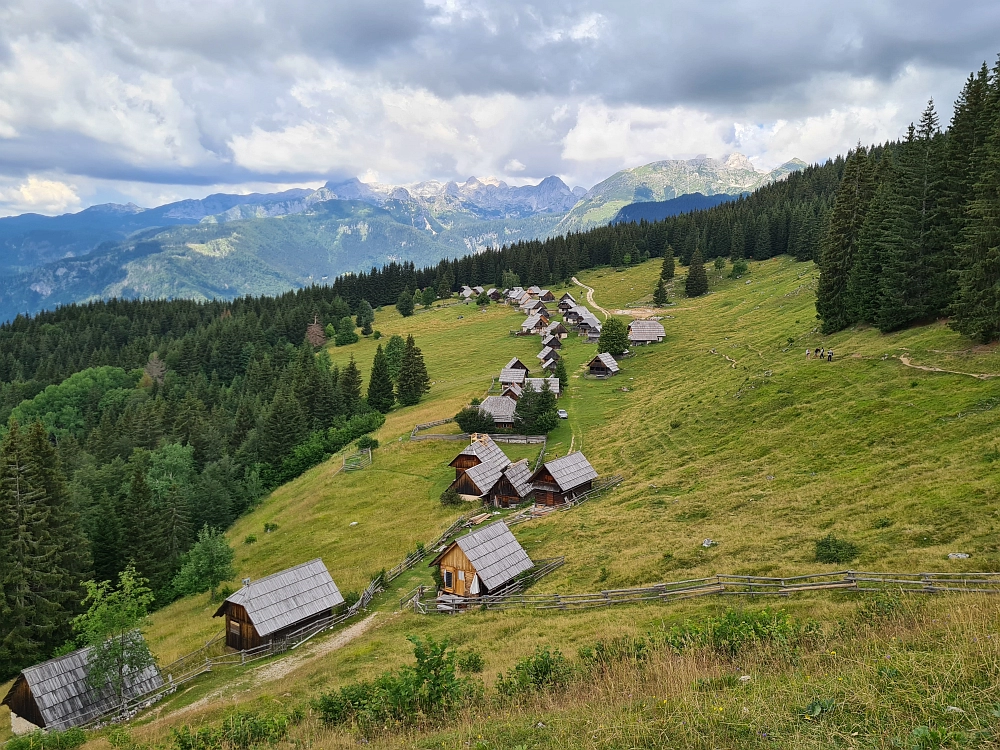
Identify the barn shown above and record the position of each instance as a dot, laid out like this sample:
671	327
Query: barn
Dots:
559	481
548	353
556	329
566	302
516	364
603	366
501	408
513	391
642	332
479	480
481	450
481	562
513	487
56	695
270	608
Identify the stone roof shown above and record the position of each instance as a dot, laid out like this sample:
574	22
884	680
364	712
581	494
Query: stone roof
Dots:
66	699
570	471
282	599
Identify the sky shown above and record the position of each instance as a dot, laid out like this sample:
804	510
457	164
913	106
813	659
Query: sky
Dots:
118	101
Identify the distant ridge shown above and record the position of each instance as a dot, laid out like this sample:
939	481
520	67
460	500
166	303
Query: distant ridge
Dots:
660	210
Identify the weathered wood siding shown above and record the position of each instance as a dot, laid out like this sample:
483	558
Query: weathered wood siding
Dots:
503	494
462	572
463	463
464	486
22	702
240	632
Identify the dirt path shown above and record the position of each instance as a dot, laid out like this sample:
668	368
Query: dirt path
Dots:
927	368
590	297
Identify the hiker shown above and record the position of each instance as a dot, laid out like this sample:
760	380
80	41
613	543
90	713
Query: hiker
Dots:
816	352
821	353
808	353
829	355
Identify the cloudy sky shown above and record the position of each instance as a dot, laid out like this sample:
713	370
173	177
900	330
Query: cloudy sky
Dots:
113	100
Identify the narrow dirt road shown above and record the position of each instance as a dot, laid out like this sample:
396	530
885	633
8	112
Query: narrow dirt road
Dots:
590	297
927	368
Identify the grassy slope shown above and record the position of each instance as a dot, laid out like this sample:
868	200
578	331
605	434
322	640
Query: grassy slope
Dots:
765	457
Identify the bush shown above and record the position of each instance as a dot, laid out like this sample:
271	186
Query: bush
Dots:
541	672
604	653
377	334
269	527
250	539
351	598
240	731
471	662
833	549
450	497
739	268
738	630
367	441
52	740
471	419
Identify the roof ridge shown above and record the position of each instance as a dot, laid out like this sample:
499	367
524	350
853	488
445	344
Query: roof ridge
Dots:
254	581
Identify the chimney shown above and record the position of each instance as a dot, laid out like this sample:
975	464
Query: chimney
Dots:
246	582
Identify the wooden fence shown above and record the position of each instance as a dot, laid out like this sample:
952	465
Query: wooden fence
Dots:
500	437
358	461
603	484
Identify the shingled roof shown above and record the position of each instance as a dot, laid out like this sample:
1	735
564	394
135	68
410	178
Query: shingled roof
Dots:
569	471
64	697
283	599
512	375
532	322
517	364
608	361
495	554
501	408
537	383
483	447
486	474
645	330
520	476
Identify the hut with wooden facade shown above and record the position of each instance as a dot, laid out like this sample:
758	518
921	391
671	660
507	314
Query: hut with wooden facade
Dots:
574	315
562	480
534	324
603	366
477	481
481	450
510	375
516	364
547	353
556	329
270	608
546	296
513	487
539	383
642	332
553	342
513	391
57	695
494	294
501	408
566	302
481	562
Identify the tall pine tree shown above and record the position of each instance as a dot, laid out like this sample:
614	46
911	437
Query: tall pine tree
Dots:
696	282
380	391
413	379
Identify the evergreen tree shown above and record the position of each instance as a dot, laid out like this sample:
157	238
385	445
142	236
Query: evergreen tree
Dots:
413	380
864	283
380	391
281	428
346	334
660	294
428	296
350	387
365	317
509	280
536	412
840	244
404	304
614	337
667	269
394	355
560	372
144	528
696	282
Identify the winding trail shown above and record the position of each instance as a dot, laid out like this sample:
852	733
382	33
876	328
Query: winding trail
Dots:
590	297
928	368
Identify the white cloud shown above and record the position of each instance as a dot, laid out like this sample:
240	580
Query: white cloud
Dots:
39	195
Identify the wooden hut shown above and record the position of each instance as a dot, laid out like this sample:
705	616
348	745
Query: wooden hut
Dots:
479	480
538	383
481	562
513	391
494	294
559	481
566	302
270	608
482	449
603	366
501	408
551	341
534	324
546	296
513	486
548	353
510	375
642	332
56	694
556	329
516	364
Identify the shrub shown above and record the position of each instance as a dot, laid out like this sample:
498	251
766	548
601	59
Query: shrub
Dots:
377	334
739	268
738	630
239	731
471	419
269	527
367	441
450	497
351	598
225	591
471	662
833	549
541	672
604	653
250	539
52	740
880	606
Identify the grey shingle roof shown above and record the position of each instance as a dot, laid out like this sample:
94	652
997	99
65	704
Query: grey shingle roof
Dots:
531	323
513	388
64	697
645	330
485	449
546	353
511	375
515	362
534	290
608	361
569	297
552	342
486	474
285	598
495	554
571	471
501	408
536	384
520	476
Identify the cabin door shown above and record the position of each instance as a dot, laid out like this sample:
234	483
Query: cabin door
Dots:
234	637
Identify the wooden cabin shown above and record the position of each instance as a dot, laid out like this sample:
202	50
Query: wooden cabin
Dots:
548	353
481	562
494	294
573	315
603	366
513	487
566	302
534	291
642	332
539	383
588	324
513	391
550	365
270	608
501	408
56	694
477	481
509	375
482	449
546	296
552	342
556	329
534	324
516	364
560	481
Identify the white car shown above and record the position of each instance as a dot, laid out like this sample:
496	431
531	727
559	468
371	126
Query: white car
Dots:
562	414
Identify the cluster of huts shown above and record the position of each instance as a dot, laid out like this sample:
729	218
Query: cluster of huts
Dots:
514	381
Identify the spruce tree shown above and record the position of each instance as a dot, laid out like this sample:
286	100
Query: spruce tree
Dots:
667	269
696	282
413	379
561	374
864	283
282	427
365	317
394	355
660	294
404	304
350	387
380	392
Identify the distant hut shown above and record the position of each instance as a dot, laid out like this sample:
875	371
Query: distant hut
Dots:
548	353
513	487
603	366
534	324
481	450
501	408
478	290
588	323
546	296
56	694
556	329
479	480
534	291
550	365
513	296
466	292
270	608
538	383
560	481
516	364
513	391
566	302
481	562
574	314
552	342
494	294
642	332
510	375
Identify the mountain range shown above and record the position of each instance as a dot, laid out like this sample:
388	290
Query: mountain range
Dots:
228	245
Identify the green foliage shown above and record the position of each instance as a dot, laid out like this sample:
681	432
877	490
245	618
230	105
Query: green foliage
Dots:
509	279
561	374
404	304
269	527
833	549
740	268
425	691
322	445
394	350
112	627
207	564
413	380
736	631
659	295
696	283
381	396
536	411
428	296
471	419
52	739
483	299
667	269
366	442
471	662
243	730
250	539
543	671
614	337
365	317
346	335
451	498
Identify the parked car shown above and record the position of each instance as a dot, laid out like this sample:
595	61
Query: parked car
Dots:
562	414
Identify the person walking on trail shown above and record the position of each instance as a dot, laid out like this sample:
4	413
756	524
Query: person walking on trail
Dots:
808	353
829	355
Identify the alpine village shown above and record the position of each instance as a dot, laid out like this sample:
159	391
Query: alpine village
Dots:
722	478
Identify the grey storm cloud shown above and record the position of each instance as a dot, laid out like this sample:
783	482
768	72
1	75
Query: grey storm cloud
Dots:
219	92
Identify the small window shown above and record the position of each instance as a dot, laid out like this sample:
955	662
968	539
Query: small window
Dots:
234	627
448	581
461	575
